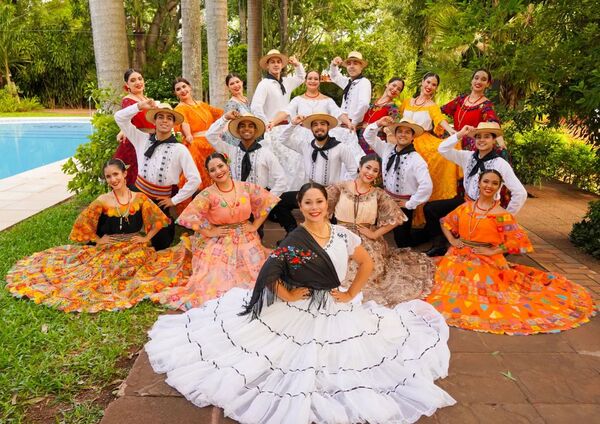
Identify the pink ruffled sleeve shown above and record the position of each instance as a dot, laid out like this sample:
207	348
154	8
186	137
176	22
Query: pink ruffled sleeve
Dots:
195	215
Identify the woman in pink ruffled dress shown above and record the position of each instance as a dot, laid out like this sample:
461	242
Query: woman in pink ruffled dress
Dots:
226	249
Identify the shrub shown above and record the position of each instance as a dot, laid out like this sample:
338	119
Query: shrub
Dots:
546	153
86	164
533	155
586	234
11	103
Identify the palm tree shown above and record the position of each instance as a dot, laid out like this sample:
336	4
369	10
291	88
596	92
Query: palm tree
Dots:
191	44
216	38
110	42
254	43
15	50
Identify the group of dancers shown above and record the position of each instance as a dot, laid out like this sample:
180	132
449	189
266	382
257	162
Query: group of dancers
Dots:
334	325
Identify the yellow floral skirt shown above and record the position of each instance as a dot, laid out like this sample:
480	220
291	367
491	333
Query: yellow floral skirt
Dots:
77	278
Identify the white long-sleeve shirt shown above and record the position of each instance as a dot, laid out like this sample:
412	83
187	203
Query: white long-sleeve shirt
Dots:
359	95
166	164
268	98
412	176
266	170
321	171
466	160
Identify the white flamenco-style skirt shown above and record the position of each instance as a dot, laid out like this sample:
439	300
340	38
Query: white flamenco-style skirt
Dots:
343	363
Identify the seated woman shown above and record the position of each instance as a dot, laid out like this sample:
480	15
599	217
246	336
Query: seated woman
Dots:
477	289
104	276
368	211
297	350
227	251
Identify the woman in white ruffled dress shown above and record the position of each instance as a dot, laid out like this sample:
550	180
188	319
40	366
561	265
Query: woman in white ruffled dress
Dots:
297	349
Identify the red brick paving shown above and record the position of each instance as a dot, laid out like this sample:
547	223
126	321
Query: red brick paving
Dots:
555	377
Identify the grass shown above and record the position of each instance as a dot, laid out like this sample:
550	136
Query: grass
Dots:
56	363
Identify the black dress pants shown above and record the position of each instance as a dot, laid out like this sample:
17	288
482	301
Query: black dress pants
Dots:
282	212
436	210
402	235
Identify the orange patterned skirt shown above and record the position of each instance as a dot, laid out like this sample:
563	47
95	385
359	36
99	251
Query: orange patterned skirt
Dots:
486	293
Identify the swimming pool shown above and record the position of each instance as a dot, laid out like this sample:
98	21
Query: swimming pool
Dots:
28	143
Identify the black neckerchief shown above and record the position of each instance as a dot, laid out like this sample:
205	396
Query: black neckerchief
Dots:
246	164
395	156
299	261
279	81
347	88
154	143
329	144
480	162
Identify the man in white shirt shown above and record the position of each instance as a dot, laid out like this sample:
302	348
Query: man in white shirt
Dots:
250	161
357	88
273	92
322	158
405	174
161	160
472	163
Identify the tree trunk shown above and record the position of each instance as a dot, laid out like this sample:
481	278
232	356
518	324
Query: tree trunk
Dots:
283	25
191	44
139	58
254	44
110	42
243	21
216	39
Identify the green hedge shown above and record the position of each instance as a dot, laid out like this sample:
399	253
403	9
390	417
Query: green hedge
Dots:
547	153
586	234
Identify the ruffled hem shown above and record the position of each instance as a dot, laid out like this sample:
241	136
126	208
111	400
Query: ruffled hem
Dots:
342	363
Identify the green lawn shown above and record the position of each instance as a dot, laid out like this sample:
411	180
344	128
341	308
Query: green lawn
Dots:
56	362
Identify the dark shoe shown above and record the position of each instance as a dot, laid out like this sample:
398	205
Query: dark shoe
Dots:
436	251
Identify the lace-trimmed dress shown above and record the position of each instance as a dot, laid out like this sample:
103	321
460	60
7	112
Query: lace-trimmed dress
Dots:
399	274
88	278
299	363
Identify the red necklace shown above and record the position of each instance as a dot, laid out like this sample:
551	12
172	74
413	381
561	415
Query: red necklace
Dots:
473	103
226	191
312	97
357	191
119	202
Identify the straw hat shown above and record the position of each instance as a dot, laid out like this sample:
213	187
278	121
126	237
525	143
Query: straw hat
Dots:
355	56
488	127
319	117
405	122
233	125
164	107
273	53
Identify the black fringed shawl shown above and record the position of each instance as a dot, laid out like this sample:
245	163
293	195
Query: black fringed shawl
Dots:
299	261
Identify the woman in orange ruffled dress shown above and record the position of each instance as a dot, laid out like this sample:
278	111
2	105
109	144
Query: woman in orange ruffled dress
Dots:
227	250
199	116
477	289
104	276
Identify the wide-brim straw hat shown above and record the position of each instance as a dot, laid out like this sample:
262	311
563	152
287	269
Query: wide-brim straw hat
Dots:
164	107
408	123
356	56
233	125
488	127
273	53
319	117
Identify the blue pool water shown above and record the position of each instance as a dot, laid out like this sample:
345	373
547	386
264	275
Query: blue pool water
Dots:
27	144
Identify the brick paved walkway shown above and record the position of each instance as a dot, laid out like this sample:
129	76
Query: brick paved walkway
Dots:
552	378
